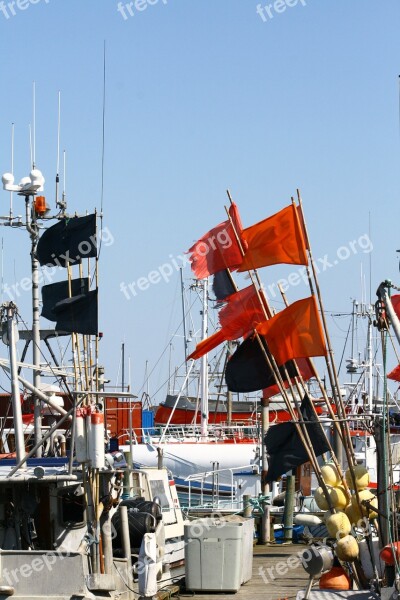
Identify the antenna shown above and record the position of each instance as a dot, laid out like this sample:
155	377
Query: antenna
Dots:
58	147
64	203
103	127
34	126
370	258
12	167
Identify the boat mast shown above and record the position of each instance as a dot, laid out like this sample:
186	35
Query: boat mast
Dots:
370	361
10	310
204	365
33	232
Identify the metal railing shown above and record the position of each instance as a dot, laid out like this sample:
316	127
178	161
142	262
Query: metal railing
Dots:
184	433
213	477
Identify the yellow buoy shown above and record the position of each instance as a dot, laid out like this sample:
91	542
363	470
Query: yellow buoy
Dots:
338	497
361	476
338	525
330	474
347	549
367	511
320	499
353	513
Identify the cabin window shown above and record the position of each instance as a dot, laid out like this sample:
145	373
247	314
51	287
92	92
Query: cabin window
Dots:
72	505
158	489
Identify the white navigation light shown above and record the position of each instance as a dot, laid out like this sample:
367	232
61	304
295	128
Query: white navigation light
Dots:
37	178
28	186
7	179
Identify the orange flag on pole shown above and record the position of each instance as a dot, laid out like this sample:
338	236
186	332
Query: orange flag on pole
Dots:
396	304
242	312
218	249
207	345
295	332
395	374
277	240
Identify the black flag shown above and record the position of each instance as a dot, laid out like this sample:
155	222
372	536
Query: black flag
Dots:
78	314
247	369
68	242
222	285
285	448
56	292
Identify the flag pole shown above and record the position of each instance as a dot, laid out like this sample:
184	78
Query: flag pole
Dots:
298	378
330	363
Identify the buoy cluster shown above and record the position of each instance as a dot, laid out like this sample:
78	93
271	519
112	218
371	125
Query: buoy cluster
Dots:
350	509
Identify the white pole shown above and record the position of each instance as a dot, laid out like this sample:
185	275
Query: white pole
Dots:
204	365
16	398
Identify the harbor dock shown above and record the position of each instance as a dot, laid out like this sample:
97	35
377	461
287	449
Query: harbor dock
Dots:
273	577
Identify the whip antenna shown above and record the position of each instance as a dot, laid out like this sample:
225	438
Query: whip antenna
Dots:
12	168
58	148
103	128
34	126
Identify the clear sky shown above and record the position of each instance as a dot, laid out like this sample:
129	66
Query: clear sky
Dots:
202	96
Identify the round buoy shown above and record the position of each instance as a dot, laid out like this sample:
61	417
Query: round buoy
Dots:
347	549
338	497
389	552
330	474
361	476
338	525
335	579
354	513
320	498
367	495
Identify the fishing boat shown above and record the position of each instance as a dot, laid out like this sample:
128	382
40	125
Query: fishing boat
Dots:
73	510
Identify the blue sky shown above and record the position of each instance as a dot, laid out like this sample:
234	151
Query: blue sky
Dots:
201	97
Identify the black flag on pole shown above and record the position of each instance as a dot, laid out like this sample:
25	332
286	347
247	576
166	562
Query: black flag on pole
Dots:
284	447
78	314
56	292
247	369
68	242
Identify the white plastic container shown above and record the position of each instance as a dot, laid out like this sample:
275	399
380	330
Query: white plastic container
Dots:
216	552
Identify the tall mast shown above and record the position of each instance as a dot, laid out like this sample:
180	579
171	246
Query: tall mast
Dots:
33	232
370	361
204	365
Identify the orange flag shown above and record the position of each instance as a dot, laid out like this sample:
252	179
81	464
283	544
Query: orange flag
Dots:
295	332
396	304
207	345
218	249
241	314
276	240
395	374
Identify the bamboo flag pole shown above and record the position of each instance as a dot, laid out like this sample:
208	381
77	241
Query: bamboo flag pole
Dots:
346	436
73	334
330	360
298	378
85	342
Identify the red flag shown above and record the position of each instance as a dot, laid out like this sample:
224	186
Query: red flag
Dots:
276	240
396	304
395	374
295	332
241	314
218	249
306	372
207	345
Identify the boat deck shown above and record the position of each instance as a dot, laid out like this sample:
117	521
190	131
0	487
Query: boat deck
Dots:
273	578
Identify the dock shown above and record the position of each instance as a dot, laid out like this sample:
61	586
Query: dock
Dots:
274	576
